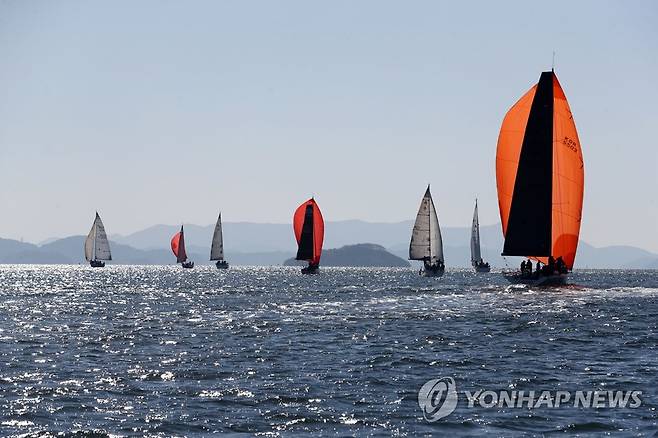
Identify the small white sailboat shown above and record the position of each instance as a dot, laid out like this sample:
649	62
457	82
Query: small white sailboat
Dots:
426	243
217	247
476	255
97	247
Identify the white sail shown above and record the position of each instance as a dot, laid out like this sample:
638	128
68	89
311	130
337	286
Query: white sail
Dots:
426	242
89	243
97	246
217	247
476	256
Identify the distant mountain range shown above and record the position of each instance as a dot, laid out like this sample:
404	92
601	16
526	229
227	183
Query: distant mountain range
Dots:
247	243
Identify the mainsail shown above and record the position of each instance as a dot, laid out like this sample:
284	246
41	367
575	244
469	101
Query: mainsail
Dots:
540	175
308	226
217	247
178	246
476	256
97	247
426	243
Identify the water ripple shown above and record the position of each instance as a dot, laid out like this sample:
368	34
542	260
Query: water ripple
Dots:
160	351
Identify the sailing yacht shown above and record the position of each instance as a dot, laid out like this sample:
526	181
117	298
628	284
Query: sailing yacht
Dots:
540	179
308	226
178	248
476	256
426	243
97	247
217	247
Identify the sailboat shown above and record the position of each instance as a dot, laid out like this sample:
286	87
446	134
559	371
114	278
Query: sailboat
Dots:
217	247
476	256
97	247
178	248
540	178
308	226
426	243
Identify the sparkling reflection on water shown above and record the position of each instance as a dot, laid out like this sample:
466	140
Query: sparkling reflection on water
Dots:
165	351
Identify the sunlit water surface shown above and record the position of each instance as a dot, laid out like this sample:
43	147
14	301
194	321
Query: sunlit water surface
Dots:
163	351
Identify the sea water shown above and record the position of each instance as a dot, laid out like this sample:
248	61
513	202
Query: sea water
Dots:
162	351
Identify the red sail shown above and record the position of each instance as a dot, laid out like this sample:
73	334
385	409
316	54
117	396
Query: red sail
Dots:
315	251
178	246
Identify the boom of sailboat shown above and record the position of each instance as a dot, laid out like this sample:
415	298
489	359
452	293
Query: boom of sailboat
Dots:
539	178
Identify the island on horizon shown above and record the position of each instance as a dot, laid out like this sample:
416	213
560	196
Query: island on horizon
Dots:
358	255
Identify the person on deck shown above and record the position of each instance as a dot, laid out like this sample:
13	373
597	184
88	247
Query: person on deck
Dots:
527	268
561	266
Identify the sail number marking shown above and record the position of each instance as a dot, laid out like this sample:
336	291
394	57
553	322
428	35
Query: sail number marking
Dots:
571	144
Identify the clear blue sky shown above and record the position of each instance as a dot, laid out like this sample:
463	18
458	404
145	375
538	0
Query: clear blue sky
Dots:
166	111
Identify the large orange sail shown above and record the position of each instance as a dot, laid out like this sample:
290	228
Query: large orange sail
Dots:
308	226
540	175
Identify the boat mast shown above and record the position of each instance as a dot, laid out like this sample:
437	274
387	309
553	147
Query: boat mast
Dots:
477	231
181	242
221	254
429	225
93	254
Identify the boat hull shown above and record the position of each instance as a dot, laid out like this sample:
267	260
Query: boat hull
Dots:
534	280
97	263
482	269
311	269
222	264
432	271
187	265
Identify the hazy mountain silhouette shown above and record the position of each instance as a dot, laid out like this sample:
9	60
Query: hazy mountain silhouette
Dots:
271	240
248	243
13	251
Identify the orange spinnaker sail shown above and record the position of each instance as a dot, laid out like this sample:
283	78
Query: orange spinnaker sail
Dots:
565	167
309	231
178	247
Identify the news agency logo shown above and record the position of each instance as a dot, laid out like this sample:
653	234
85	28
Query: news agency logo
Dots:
438	398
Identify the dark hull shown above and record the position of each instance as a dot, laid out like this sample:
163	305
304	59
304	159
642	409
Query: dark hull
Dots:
222	264
97	264
482	268
187	265
432	271
537	280
311	269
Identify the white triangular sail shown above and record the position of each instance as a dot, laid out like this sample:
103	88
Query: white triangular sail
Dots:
89	243
217	247
97	247
476	256
426	243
